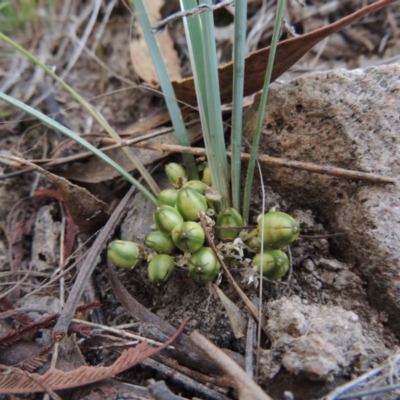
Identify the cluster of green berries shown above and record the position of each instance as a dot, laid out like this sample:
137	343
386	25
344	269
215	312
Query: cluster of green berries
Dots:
275	230
178	230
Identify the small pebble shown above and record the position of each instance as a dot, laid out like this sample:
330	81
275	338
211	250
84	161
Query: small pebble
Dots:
308	265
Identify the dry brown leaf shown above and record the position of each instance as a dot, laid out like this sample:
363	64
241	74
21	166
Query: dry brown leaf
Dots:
13	380
19	354
287	54
235	315
87	212
147	123
140	54
95	171
37	360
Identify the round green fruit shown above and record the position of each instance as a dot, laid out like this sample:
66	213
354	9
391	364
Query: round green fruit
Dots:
190	204
188	236
167	197
160	242
275	264
203	266
176	174
160	269
280	229
167	218
206	178
198	186
227	218
125	254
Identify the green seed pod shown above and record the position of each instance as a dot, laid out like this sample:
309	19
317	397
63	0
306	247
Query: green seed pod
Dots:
166	218
196	185
176	174
229	217
160	269
254	243
280	229
275	264
188	236
203	266
160	242
167	197
206	178
190	203
125	254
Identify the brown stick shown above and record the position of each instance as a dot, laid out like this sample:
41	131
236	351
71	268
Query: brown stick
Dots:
277	162
179	379
246	387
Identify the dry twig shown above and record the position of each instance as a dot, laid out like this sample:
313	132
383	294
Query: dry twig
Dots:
278	162
161	25
246	387
189	384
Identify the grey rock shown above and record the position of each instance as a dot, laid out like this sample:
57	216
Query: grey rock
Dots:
347	119
316	341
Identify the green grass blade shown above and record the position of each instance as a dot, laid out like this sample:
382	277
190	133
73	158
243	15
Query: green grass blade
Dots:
237	103
90	109
201	41
166	85
72	135
261	109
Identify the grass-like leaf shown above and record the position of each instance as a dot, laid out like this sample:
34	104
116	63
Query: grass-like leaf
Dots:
166	85
237	103
261	109
72	135
90	109
201	42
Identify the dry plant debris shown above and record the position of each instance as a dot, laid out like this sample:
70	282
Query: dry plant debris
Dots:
14	381
90	40
140	55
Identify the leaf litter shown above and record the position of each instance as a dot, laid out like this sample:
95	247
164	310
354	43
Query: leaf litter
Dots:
118	107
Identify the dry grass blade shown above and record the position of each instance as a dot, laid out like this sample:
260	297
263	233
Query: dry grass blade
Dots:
246	387
379	380
12	381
